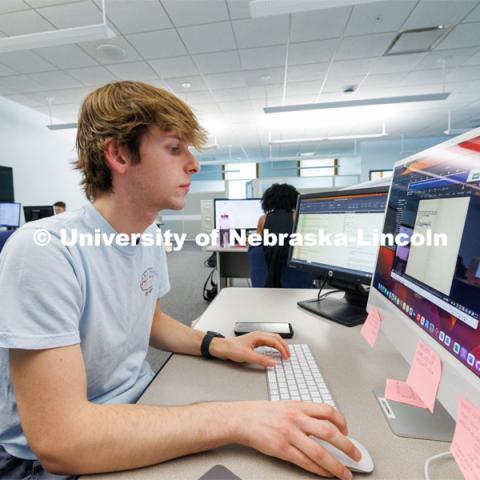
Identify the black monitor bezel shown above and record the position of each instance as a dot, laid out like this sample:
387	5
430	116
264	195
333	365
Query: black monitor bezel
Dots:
330	271
25	207
233	200
19	212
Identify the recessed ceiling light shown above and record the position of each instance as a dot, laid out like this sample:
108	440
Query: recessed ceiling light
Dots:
186	85
266	78
307	154
110	51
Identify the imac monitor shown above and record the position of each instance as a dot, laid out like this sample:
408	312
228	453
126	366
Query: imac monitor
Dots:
344	223
35	213
10	215
240	214
431	292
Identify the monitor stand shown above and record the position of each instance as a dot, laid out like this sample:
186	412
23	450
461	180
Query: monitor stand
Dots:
348	311
413	422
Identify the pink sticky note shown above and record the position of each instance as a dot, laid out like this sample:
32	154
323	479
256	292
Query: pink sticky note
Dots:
465	446
401	392
371	326
424	375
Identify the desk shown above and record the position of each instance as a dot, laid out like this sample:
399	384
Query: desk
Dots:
351	368
232	262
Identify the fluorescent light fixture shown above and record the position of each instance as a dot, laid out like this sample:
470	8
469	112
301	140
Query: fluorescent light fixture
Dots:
268	8
429	97
54	38
62	126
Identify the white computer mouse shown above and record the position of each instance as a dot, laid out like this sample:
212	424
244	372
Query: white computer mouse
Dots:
365	465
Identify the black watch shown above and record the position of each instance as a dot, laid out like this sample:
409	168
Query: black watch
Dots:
204	348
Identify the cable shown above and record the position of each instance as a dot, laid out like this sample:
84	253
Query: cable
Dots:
321	288
431	459
329	293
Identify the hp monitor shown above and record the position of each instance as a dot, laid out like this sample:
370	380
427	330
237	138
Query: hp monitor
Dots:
10	215
344	253
431	291
35	213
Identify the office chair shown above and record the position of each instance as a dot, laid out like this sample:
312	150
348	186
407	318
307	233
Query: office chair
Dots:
4	235
291	278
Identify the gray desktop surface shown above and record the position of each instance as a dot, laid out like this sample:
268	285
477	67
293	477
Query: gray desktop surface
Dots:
351	368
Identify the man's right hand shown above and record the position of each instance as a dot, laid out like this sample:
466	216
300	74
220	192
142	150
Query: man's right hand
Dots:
283	428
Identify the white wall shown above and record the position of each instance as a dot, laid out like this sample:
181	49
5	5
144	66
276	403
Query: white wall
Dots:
41	158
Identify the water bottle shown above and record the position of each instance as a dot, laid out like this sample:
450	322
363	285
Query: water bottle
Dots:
224	230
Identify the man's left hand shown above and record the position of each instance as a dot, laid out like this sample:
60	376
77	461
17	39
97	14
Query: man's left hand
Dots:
242	349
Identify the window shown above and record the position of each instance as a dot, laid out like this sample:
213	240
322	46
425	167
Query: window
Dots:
237	176
318	167
378	174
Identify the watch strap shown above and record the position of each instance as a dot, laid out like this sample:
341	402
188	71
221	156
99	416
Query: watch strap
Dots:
207	339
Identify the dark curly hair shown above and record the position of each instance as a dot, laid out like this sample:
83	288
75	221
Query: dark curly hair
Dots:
279	197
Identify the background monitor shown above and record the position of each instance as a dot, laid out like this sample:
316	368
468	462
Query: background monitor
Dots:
242	214
433	293
37	212
10	215
345	267
6	185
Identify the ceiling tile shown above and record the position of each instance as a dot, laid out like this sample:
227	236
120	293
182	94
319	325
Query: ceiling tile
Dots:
195	12
239	9
231	94
55	80
264	57
474	59
197	84
464	74
72	14
66	56
91	49
6	71
218	62
364	47
174	67
313	71
19	84
379	17
25	61
32	100
380	81
446	12
139	16
225	80
311	52
92	76
463	35
396	63
422	77
350	67
47	3
158	44
319	25
7	6
266	76
139	71
213	37
21	23
338	84
452	58
264	92
260	32
474	16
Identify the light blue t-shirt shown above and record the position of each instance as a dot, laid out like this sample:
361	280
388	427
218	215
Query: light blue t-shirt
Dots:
102	297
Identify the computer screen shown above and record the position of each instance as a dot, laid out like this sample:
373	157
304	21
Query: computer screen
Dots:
36	212
242	214
6	184
438	287
432	287
10	215
346	213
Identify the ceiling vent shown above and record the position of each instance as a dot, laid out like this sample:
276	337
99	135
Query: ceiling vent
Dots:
418	40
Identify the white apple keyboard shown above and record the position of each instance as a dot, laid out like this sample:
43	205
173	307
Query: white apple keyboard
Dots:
297	378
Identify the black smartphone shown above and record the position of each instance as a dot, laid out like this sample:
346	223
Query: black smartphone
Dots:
285	330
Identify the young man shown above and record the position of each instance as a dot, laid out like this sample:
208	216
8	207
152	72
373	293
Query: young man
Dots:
59	207
77	321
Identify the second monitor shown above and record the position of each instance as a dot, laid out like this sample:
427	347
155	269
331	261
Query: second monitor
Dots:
345	258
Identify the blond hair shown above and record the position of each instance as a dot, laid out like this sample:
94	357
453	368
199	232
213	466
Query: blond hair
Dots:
124	111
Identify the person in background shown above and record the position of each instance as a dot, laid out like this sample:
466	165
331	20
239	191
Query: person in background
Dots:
59	207
278	203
